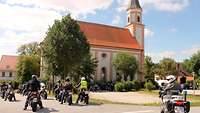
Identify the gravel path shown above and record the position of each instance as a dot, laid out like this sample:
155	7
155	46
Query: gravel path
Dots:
126	97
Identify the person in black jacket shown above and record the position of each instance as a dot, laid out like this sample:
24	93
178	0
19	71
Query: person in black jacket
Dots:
4	88
66	89
33	86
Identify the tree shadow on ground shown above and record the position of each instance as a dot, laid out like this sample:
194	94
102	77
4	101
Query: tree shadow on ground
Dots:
47	110
90	104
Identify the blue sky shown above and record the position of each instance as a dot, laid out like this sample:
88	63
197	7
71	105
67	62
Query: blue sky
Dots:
172	26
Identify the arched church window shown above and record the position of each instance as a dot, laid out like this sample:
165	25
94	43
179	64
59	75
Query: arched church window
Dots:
104	55
138	19
103	70
128	20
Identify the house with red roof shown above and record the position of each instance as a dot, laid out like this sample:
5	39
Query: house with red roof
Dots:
106	41
8	66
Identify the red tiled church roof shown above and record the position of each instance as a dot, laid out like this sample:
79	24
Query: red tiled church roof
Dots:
104	35
8	63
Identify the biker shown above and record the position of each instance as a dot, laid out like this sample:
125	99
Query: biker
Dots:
33	86
66	89
4	88
57	89
172	85
10	88
171	88
83	86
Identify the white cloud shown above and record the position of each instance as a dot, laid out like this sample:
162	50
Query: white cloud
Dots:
161	5
24	21
76	7
173	29
191	51
148	32
156	57
116	20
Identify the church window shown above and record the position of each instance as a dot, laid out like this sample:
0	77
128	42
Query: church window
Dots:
128	20
138	19
104	55
3	74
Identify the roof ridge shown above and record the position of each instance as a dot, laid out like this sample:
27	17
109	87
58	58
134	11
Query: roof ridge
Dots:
102	24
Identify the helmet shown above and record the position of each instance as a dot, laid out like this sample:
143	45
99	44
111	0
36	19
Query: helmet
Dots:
9	82
34	77
171	78
67	79
82	78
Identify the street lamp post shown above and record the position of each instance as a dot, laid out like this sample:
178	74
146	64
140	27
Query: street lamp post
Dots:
193	82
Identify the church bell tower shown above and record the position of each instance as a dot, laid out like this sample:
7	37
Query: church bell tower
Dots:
134	21
136	28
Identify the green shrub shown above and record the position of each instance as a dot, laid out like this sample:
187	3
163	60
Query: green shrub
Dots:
137	85
119	86
128	86
149	86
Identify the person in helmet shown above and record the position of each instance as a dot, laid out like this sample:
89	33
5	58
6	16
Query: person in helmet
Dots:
172	85
171	88
10	89
33	86
57	89
4	88
67	87
83	86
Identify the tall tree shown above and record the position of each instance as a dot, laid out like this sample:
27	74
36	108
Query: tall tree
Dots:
168	66
29	49
27	66
86	69
126	64
192	64
65	46
149	68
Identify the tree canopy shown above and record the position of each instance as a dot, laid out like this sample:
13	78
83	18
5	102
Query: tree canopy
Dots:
126	65
29	49
168	67
27	66
64	47
192	64
149	68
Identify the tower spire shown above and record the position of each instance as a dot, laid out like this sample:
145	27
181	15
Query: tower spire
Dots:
134	4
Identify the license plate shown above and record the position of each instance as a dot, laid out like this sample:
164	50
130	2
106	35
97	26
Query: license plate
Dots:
179	109
35	100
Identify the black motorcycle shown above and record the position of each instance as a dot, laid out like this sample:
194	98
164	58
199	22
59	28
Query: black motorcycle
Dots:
84	97
10	95
33	100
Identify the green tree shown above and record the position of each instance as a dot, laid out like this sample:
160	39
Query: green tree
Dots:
149	68
27	66
126	65
168	67
86	69
29	49
187	65
192	64
64	47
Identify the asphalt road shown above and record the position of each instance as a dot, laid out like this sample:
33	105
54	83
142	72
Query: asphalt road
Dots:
52	106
